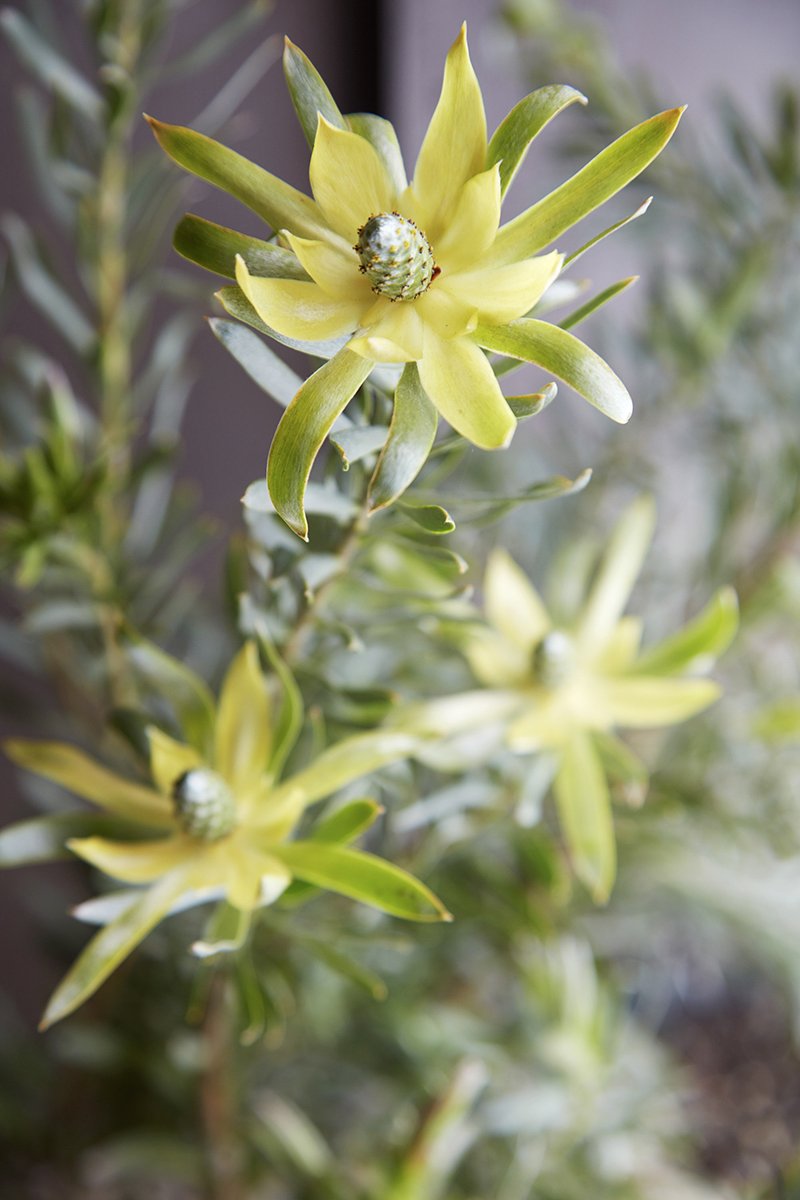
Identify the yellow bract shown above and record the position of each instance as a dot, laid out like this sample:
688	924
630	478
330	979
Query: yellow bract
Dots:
456	204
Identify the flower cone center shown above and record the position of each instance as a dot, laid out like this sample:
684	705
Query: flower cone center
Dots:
204	804
395	257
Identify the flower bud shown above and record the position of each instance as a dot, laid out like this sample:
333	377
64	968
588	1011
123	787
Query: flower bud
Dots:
204	804
395	257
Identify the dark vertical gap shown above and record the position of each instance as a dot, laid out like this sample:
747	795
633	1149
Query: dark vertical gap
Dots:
362	21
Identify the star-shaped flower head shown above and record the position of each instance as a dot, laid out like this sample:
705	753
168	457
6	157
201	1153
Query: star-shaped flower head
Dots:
216	825
421	274
571	685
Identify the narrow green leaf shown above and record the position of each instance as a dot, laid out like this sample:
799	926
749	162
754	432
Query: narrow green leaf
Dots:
430	517
358	442
641	210
51	70
215	248
699	644
304	427
591	306
381	136
226	931
562	355
111	945
410	439
276	202
513	136
342	763
597	182
584	809
262	364
290	717
362	877
528	406
44	293
348	822
75	771
179	686
310	95
483	510
234	301
343	965
45	838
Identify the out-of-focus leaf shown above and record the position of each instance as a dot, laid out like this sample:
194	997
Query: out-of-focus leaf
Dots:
45	838
699	644
299	1139
226	931
381	136
410	439
562	355
779	721
584	810
310	95
290	717
597	182
362	877
234	301
42	290
482	510
618	571
34	126
214	44
342	763
358	442
348	822
74	770
276	202
624	767
51	70
412	569
511	140
591	306
345	966
215	248
641	210
181	687
261	364
303	429
111	945
444	1138
430	517
238	87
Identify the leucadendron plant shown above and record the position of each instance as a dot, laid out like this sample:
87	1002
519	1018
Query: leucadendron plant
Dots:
421	277
214	824
561	685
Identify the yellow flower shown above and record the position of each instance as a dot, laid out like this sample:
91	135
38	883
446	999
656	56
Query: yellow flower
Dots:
380	271
561	689
453	210
220	826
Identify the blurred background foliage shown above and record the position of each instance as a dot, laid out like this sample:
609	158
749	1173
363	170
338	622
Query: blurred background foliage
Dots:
539	1047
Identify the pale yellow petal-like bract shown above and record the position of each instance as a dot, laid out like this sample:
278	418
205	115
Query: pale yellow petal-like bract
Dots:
513	605
348	179
647	702
502	294
457	377
137	862
169	759
454	147
243	730
335	269
474	223
298	309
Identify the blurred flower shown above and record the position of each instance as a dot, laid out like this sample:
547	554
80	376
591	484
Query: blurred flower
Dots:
227	822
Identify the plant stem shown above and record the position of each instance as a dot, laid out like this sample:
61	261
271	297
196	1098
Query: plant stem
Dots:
218	1096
